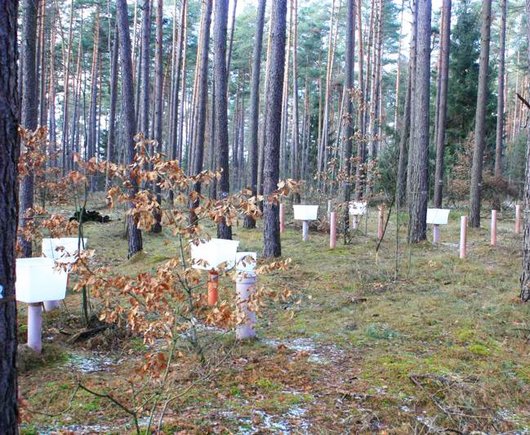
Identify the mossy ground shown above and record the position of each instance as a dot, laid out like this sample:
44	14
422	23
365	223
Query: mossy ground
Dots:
428	343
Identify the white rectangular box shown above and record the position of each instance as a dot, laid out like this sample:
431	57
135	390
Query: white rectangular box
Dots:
437	216
38	280
305	212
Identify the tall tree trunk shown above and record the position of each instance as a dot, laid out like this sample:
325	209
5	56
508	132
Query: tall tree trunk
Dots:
29	109
224	231
500	92
202	96
480	117
404	140
361	146
295	153
419	190
9	153
231	40
254	106
133	233
143	82
271	166
398	71
159	114
111	140
66	78
442	103
92	122
349	117
525	275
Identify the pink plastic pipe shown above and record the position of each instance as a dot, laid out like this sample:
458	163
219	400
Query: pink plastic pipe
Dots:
245	286
436	234
305	231
463	236
380	222
493	238
35	327
332	230
518	219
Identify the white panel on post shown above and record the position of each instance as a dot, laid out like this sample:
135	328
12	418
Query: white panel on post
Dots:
212	253
38	280
305	212
437	216
63	250
357	208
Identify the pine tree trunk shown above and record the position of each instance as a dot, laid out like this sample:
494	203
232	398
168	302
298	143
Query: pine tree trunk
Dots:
525	276
159	114
143	83
404	141
202	97
133	233
111	141
348	119
254	106
271	166
480	117
66	75
224	231
419	190
29	108
295	153
9	153
500	92
442	103
92	121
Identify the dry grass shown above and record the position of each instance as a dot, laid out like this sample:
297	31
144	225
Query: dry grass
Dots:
445	346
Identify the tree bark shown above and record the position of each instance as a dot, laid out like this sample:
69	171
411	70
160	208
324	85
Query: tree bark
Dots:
9	153
348	119
202	96
418	193
525	275
480	117
159	114
271	166
442	103
224	231
143	83
500	92
29	108
254	106
133	233
111	141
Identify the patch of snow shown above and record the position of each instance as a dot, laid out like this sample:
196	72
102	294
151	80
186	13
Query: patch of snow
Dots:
319	354
89	363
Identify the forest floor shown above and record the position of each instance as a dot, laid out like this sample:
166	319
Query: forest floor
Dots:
440	345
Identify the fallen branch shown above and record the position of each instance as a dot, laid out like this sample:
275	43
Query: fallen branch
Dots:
526	103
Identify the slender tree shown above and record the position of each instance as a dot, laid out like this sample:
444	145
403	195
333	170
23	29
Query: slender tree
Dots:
348	131
525	275
418	186
500	91
254	106
145	59
480	117
111	140
221	107
159	107
9	152
201	85
29	109
441	110
133	233
271	164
